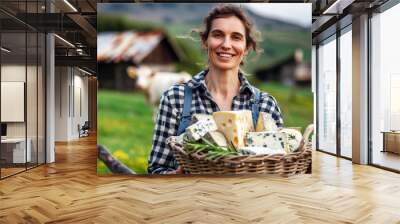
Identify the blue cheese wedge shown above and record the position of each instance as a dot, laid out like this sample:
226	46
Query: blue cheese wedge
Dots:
273	140
198	117
234	125
249	150
197	130
216	138
265	122
294	138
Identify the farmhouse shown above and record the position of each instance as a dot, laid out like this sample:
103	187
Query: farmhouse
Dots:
118	50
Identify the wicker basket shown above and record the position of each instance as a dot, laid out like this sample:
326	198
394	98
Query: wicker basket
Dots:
298	162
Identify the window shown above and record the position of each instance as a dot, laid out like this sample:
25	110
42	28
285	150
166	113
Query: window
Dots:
327	95
385	88
346	92
22	77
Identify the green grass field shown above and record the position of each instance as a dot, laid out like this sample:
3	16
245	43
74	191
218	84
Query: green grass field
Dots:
125	127
125	123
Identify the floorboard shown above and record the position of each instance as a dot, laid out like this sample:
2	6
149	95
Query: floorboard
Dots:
69	191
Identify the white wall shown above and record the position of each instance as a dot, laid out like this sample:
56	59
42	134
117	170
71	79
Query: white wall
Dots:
71	93
14	73
62	80
17	73
33	127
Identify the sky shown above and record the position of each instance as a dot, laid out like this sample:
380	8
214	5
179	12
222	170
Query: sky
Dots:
297	13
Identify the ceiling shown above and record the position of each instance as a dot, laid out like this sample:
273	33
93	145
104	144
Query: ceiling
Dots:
328	15
74	21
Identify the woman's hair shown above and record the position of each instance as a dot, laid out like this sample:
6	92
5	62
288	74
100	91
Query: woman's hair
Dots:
223	11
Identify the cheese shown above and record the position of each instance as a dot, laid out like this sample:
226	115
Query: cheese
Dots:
198	117
261	150
273	140
177	139
265	122
234	125
216	137
294	138
197	130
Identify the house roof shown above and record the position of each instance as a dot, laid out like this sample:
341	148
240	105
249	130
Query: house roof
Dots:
129	46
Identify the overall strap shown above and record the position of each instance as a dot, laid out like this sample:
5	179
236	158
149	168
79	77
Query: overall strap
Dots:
255	106
186	117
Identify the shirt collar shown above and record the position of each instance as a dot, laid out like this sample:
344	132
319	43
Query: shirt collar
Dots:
199	81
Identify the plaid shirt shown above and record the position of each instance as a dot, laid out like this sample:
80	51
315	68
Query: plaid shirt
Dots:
161	158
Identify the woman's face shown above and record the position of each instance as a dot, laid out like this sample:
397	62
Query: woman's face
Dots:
226	43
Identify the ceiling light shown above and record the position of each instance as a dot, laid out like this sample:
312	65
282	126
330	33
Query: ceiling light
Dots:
5	49
64	40
71	6
79	51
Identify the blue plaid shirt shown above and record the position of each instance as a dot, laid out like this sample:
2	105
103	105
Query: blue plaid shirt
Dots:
161	158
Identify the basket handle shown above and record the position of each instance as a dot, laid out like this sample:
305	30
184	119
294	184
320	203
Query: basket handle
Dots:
307	133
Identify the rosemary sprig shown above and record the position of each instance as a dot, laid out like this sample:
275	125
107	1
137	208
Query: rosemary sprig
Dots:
213	151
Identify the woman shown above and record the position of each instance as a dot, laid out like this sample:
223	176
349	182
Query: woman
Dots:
227	39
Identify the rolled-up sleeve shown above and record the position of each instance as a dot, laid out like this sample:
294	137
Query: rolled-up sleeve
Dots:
161	159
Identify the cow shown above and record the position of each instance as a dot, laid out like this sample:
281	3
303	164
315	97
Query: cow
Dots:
154	84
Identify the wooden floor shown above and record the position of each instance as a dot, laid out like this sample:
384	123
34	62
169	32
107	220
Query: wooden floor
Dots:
69	191
10	171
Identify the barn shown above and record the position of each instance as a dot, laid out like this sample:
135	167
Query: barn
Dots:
118	50
289	70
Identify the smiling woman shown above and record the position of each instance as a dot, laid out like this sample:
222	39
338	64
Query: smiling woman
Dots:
227	37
